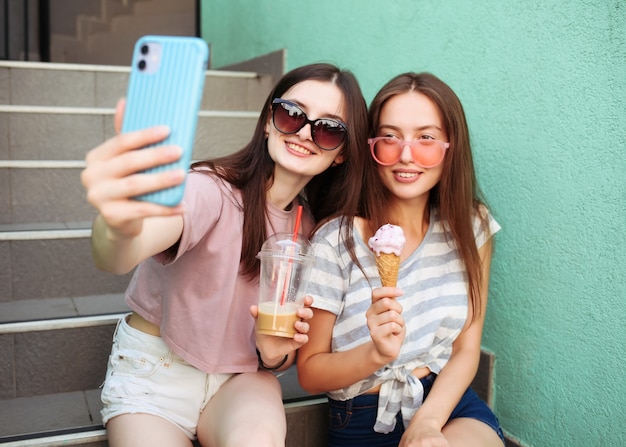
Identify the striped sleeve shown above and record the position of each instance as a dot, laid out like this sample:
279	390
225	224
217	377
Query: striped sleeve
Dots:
484	225
327	283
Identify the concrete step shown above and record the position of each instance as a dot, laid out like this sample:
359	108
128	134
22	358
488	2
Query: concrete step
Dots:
42	355
67	133
54	360
57	311
74	419
98	86
49	313
51	268
40	167
44	197
61	345
52	133
45	419
69	352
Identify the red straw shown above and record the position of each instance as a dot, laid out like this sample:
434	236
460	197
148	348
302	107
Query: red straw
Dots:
296	227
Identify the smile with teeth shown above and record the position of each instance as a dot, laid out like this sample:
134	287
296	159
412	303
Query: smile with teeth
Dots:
299	149
403	174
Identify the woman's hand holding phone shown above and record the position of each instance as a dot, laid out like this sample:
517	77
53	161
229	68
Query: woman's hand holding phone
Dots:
141	172
113	177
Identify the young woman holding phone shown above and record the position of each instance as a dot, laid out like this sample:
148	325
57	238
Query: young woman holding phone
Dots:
186	364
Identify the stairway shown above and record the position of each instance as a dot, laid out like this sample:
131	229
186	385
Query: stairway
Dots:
107	37
57	311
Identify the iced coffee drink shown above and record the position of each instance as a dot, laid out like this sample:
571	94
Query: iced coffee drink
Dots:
286	263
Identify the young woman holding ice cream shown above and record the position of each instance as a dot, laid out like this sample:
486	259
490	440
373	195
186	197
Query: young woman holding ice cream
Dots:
397	363
183	364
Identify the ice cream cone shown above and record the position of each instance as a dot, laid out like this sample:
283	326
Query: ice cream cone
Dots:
388	265
387	245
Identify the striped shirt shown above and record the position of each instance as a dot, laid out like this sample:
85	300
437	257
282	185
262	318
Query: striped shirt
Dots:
435	307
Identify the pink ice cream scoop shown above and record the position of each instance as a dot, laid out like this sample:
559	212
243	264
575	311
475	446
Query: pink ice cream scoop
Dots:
387	243
388	239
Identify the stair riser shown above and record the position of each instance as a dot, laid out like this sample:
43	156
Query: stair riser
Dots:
54	136
56	278
307	423
51	136
80	88
43	269
78	409
34	195
71	359
50	362
44	195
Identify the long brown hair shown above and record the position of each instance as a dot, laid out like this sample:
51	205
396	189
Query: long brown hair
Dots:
457	196
335	191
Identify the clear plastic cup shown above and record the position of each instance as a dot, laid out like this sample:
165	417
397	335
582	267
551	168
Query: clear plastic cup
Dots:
285	270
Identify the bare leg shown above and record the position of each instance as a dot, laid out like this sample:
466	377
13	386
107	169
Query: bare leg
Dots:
466	432
140	429
247	410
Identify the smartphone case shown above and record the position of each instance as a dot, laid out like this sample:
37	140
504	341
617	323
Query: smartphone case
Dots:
166	89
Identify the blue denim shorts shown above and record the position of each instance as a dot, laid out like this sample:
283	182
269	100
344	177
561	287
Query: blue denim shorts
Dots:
351	422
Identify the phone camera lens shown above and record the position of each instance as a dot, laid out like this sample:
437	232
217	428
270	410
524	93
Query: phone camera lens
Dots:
142	64
145	49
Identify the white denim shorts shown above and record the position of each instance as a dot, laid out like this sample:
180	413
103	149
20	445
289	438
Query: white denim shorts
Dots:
145	376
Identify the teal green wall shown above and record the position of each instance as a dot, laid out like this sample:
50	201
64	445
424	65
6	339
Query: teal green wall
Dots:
544	87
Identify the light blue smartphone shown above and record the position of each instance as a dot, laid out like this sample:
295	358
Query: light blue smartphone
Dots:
165	88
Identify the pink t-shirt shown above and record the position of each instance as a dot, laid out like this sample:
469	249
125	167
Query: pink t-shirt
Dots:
194	292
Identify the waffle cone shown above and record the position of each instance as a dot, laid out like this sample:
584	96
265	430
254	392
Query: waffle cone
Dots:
388	265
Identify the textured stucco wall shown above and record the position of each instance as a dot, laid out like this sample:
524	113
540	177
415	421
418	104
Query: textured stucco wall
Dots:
544	87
